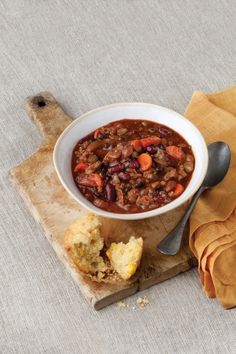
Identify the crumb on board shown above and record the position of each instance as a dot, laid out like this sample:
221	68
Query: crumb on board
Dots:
142	302
121	304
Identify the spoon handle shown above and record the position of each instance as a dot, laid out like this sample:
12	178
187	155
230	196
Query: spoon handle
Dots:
171	244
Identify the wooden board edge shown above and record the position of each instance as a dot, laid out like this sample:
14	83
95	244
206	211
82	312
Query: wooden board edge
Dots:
180	268
118	296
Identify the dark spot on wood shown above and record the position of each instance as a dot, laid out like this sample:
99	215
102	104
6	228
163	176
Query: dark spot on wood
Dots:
39	101
148	271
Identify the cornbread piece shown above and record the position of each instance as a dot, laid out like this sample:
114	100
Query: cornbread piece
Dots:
85	246
83	243
125	258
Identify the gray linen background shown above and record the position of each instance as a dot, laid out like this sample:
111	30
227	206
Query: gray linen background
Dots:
90	53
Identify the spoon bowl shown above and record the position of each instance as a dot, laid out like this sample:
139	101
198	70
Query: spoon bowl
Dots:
219	162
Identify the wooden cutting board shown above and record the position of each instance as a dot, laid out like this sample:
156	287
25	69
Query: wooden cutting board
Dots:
36	180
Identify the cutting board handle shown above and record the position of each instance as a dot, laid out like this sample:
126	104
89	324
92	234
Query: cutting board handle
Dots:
47	114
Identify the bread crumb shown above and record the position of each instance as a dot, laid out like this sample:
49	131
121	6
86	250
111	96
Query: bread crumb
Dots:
142	302
121	304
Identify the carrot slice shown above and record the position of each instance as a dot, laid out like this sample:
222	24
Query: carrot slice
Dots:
175	152
150	141
93	180
136	145
145	161
80	167
178	190
96	133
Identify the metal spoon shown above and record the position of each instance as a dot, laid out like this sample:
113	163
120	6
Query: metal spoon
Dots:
219	161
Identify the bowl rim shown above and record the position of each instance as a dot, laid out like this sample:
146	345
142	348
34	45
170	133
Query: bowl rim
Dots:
129	216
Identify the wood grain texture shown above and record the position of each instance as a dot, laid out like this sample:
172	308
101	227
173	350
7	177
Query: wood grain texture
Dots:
54	209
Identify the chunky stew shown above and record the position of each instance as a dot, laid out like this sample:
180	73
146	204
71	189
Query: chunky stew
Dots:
132	166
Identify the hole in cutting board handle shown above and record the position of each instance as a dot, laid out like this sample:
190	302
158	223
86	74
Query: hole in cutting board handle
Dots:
39	101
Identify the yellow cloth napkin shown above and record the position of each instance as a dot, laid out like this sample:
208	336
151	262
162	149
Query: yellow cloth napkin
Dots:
213	222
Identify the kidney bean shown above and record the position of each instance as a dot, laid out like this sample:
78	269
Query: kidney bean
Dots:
124	176
117	168
134	164
110	192
160	200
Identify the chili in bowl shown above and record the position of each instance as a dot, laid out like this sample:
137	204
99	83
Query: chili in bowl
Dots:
132	166
119	165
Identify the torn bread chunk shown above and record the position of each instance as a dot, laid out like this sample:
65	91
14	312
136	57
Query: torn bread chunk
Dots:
83	243
125	258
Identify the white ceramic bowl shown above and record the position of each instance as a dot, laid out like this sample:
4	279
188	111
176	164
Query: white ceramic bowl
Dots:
96	118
